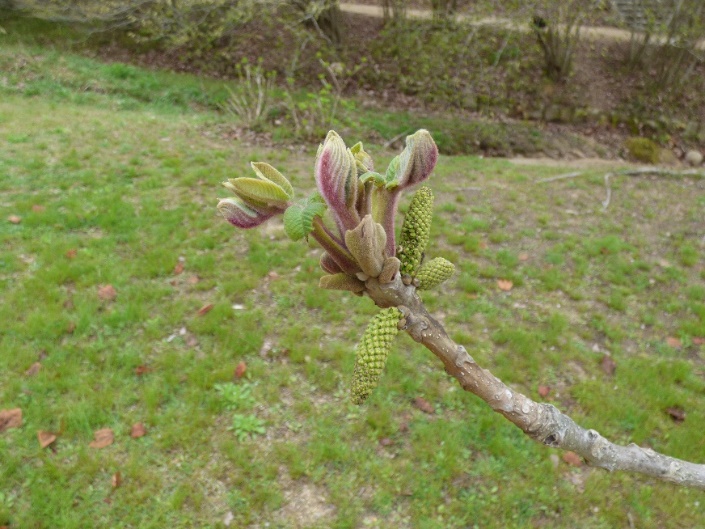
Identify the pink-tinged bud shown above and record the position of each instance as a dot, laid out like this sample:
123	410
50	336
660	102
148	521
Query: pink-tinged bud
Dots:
417	160
239	214
336	178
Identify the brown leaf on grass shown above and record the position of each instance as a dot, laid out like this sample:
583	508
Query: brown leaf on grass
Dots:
272	276
45	438
240	370
205	309
138	430
11	418
142	369
179	268
107	292
33	369
423	405
608	365
505	285
698	341
102	438
14	219
523	256
544	391
38	208
192	280
191	340
677	413
674	342
386	441
116	480
573	459
71	254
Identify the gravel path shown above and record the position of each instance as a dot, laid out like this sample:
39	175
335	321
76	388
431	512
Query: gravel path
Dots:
591	32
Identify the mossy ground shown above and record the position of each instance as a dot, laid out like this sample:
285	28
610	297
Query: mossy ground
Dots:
115	175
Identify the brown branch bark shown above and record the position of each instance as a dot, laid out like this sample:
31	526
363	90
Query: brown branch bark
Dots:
542	422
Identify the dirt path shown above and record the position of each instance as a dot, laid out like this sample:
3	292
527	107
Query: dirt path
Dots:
591	32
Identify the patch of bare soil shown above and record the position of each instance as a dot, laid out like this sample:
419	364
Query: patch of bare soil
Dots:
305	504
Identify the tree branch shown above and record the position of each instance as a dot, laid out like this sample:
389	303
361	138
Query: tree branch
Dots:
542	422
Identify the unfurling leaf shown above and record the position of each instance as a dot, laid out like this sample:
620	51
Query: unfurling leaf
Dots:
242	215
366	243
341	282
336	178
433	273
267	172
362	159
415	231
417	160
372	353
298	218
258	191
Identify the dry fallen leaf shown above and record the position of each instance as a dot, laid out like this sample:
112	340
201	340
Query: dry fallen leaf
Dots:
608	365
70	254
33	369
45	438
544	391
192	280
179	268
38	208
505	284
523	256
674	342
138	430
116	480
677	413
14	219
11	418
102	438
240	370
107	292
142	369
205	309
386	441
573	459
272	276
698	341
423	405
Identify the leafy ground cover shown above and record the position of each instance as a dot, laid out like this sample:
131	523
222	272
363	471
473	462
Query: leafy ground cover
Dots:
136	303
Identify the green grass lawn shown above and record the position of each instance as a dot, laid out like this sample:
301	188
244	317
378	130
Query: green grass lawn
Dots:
114	173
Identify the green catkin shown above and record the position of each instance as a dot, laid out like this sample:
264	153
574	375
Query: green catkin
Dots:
372	352
415	231
433	273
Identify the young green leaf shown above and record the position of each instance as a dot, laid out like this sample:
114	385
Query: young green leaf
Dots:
298	218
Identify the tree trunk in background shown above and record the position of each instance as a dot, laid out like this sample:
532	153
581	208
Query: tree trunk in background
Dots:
328	19
443	8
